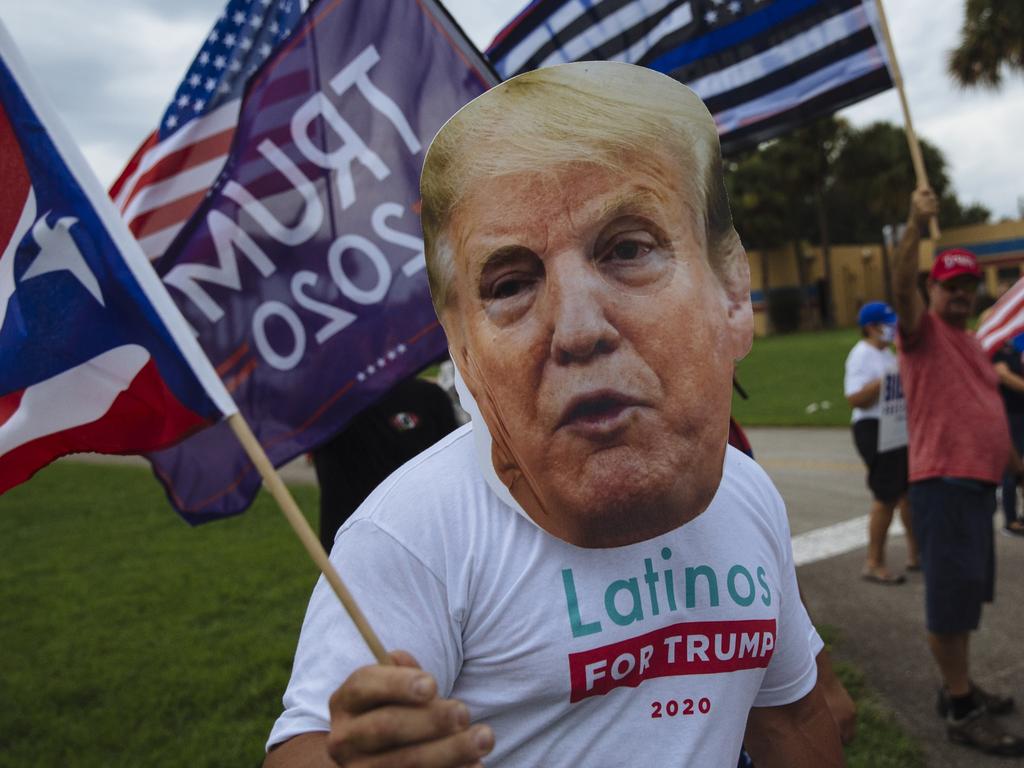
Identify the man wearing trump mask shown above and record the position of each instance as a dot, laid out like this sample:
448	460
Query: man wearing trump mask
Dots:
585	574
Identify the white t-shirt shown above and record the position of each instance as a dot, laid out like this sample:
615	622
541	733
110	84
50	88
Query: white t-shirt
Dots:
864	364
647	654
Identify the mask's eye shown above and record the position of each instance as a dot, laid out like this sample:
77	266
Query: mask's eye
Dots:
508	283
629	250
635	257
508	287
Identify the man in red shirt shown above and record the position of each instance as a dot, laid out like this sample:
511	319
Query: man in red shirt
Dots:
959	448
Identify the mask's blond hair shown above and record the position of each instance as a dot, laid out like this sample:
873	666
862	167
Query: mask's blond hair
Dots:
605	113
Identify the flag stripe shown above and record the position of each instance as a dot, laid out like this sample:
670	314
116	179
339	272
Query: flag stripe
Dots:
599	31
224	118
782	55
670	23
156	244
144	417
775	81
777	121
192	175
1005	320
775	63
175	212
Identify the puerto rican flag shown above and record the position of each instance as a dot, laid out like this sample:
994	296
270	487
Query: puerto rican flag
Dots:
94	356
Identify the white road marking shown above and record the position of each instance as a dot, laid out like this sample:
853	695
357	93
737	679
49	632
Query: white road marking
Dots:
838	539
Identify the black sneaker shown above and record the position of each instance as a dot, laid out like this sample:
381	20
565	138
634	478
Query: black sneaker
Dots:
994	703
981	731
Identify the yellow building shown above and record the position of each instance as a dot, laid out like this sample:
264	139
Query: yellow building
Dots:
859	273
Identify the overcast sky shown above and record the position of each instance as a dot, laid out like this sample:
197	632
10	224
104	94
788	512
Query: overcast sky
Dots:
112	73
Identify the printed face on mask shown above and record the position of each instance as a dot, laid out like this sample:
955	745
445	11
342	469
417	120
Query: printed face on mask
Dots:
599	343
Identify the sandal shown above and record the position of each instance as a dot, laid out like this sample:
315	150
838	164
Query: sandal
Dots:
886	578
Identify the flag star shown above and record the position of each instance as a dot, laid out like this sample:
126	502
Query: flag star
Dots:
391	354
210	84
171	121
274	27
214	36
183	101
229	40
266	3
224	87
371	370
265	50
235	66
255	20
381	362
250	71
735	6
360	376
238	18
195	80
220	62
198	105
58	252
204	58
245	44
711	17
401	349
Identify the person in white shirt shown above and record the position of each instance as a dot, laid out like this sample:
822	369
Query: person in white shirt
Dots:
866	367
585	575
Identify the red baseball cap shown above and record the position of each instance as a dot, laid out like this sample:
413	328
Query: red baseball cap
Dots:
953	263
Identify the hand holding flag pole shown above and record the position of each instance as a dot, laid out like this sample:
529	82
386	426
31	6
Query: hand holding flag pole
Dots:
915	147
86	323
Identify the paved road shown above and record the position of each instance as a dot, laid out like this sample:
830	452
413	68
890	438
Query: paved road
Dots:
882	628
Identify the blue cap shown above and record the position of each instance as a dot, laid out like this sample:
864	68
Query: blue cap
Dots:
876	312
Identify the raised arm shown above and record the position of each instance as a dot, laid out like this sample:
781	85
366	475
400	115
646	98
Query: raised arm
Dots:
906	299
389	716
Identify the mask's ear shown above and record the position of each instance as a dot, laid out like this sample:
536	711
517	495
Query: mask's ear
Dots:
734	276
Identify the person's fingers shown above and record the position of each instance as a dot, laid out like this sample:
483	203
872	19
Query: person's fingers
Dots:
375	686
404	659
396	726
456	751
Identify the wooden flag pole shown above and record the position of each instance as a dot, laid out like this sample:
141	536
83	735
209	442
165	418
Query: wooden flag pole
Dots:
908	124
272	480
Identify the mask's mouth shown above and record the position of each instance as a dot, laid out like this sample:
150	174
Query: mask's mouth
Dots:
596	409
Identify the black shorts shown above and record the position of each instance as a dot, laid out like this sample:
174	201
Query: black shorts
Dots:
952	521
887	472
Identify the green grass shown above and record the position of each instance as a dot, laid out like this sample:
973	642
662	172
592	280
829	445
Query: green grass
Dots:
880	743
785	374
130	639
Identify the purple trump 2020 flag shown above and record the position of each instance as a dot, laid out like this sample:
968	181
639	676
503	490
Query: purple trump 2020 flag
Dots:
94	356
303	272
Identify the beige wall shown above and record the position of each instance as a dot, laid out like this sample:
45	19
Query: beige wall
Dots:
858	271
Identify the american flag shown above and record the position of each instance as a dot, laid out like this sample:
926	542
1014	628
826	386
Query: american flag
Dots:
1004	320
170	173
762	67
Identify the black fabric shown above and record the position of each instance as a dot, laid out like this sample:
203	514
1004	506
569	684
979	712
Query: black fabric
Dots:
887	472
1012	399
952	520
408	420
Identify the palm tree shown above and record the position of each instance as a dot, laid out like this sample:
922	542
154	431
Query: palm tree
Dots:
992	37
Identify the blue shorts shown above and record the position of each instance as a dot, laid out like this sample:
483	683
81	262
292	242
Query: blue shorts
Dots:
952	519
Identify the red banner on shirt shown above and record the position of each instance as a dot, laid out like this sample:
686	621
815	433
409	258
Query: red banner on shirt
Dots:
687	648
